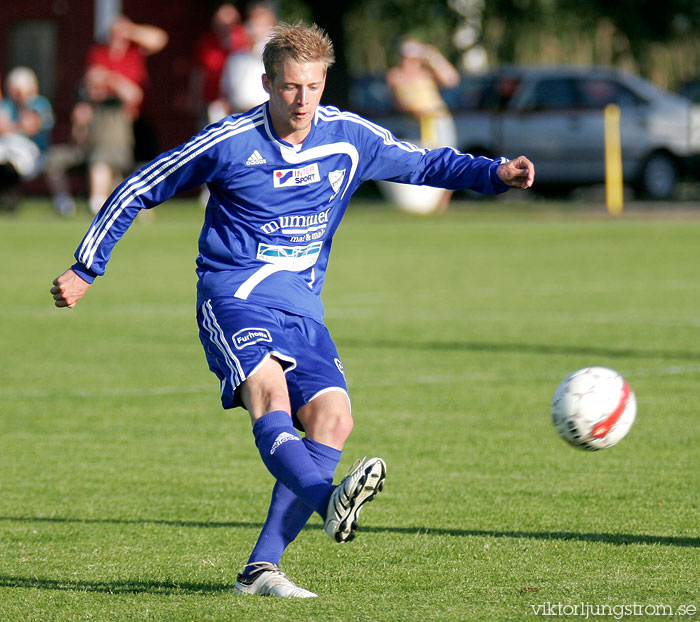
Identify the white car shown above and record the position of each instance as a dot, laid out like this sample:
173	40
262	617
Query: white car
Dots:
554	116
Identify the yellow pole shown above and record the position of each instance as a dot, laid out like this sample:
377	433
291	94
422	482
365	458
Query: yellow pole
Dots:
613	161
428	131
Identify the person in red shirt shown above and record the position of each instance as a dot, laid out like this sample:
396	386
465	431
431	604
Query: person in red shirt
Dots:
226	35
112	95
124	53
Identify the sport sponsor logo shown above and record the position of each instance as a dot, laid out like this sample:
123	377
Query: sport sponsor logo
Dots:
294	258
281	440
249	336
286	177
255	158
297	224
336	180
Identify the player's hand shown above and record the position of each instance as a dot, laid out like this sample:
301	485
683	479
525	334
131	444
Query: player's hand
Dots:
518	173
68	289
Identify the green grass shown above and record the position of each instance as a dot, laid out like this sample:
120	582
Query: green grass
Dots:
127	493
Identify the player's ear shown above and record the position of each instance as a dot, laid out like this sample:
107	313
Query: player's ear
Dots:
266	83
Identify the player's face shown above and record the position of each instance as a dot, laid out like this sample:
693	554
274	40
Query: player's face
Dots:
295	93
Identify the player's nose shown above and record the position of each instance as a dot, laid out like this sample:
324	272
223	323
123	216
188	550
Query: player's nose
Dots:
302	96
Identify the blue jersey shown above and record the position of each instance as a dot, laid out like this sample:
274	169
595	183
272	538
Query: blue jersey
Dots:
274	206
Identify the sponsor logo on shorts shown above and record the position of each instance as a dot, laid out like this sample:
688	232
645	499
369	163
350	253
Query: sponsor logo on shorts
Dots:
249	336
286	177
281	440
339	365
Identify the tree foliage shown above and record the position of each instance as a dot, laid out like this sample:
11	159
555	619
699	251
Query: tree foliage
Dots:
376	28
627	32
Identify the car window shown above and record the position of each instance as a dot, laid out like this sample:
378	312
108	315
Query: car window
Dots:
599	92
469	94
501	91
370	95
552	94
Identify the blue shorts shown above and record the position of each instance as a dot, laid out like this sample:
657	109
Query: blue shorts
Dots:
238	337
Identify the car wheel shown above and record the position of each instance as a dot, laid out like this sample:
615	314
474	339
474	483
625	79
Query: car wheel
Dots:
659	177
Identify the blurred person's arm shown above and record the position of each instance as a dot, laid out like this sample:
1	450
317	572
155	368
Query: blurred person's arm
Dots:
29	122
150	39
81	117
443	70
127	91
124	89
6	124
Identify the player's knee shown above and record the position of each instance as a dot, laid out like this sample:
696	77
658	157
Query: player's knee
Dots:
332	427
341	425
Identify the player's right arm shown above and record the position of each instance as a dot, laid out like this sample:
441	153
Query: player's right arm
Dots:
68	289
192	163
200	160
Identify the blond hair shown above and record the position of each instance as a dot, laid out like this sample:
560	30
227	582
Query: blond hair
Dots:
297	42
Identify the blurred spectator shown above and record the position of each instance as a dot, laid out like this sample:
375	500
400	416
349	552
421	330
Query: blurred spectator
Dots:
124	53
102	122
26	119
102	139
227	35
241	78
415	84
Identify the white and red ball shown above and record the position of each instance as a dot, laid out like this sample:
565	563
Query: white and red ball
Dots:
593	408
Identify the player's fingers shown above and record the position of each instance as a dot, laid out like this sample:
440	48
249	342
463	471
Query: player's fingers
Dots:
527	171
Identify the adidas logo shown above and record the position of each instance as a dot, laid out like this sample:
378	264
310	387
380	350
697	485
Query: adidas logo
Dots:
255	158
281	439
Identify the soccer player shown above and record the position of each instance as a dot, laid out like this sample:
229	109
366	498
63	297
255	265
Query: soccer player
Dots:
281	176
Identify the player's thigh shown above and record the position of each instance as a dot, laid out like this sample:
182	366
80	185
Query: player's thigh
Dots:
265	390
318	367
238	339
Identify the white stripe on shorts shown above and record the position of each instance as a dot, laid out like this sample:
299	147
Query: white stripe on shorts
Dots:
211	326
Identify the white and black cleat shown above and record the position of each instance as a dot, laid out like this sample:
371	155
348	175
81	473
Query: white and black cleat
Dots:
266	579
360	486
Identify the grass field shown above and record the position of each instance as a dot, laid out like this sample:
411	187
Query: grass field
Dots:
127	493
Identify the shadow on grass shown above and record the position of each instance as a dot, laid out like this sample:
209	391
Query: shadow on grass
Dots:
515	348
114	587
168	588
132	521
609	538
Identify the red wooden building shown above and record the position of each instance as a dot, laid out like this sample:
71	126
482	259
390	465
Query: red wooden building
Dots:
52	37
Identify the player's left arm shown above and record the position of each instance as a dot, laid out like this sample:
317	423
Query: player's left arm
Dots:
390	159
517	173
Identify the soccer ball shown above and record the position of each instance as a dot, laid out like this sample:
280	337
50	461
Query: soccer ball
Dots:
593	408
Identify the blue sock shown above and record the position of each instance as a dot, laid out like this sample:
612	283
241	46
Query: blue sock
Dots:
288	514
289	461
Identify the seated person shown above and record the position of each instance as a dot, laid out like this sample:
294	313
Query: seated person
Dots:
26	120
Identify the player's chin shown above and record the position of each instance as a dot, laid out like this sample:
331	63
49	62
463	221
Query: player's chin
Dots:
301	121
